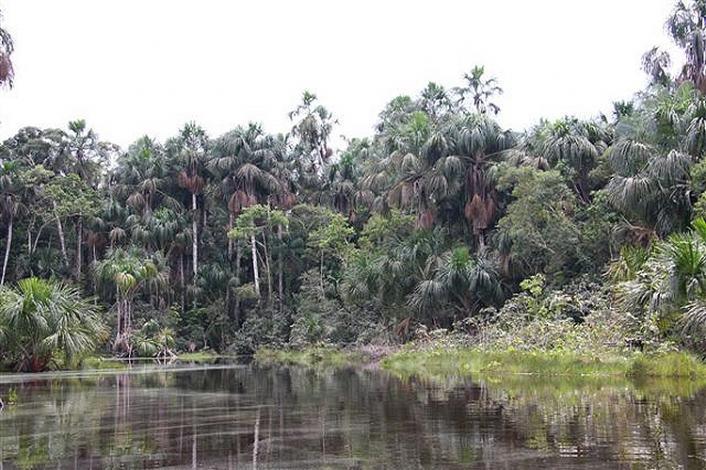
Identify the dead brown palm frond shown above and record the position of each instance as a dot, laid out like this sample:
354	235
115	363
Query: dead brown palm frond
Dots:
425	218
480	213
239	200
192	183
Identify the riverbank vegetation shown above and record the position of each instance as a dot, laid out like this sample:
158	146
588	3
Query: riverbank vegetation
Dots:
574	237
312	357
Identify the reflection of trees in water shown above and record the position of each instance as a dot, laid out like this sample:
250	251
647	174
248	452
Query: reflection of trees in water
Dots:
348	418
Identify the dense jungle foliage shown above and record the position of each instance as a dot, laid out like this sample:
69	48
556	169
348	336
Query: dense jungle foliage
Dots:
441	219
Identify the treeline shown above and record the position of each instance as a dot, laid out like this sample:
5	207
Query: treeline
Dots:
251	238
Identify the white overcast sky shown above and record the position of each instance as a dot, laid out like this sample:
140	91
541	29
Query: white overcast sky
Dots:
135	67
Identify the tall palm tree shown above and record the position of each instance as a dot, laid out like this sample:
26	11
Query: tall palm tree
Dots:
190	148
125	272
420	172
312	128
86	156
252	170
244	159
436	101
480	90
687	27
479	143
139	176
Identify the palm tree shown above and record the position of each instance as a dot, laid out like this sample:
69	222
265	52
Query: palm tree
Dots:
687	27
480	90
244	159
7	73
342	187
656	63
40	318
671	280
139	176
253	169
125	271
86	156
459	279
480	143
695	138
422	172
190	148
435	101
313	124
650	188
574	146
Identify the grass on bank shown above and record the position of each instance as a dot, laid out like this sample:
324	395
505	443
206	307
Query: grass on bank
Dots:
108	363
310	357
197	356
465	362
101	363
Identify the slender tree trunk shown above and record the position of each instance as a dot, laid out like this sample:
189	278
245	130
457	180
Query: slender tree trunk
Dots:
79	245
182	283
238	255
321	272
230	240
194	237
119	303
62	240
268	271
280	268
7	251
256	276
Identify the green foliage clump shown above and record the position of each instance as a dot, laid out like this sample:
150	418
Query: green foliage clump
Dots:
319	356
43	322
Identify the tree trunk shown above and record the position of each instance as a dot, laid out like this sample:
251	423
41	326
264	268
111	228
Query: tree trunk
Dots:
268	271
7	251
182	283
194	237
119	326
321	272
230	240
62	241
256	276
280	269
238	255
79	243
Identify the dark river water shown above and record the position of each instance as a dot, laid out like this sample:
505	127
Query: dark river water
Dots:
242	416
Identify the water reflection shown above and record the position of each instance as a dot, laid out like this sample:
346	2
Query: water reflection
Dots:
245	417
